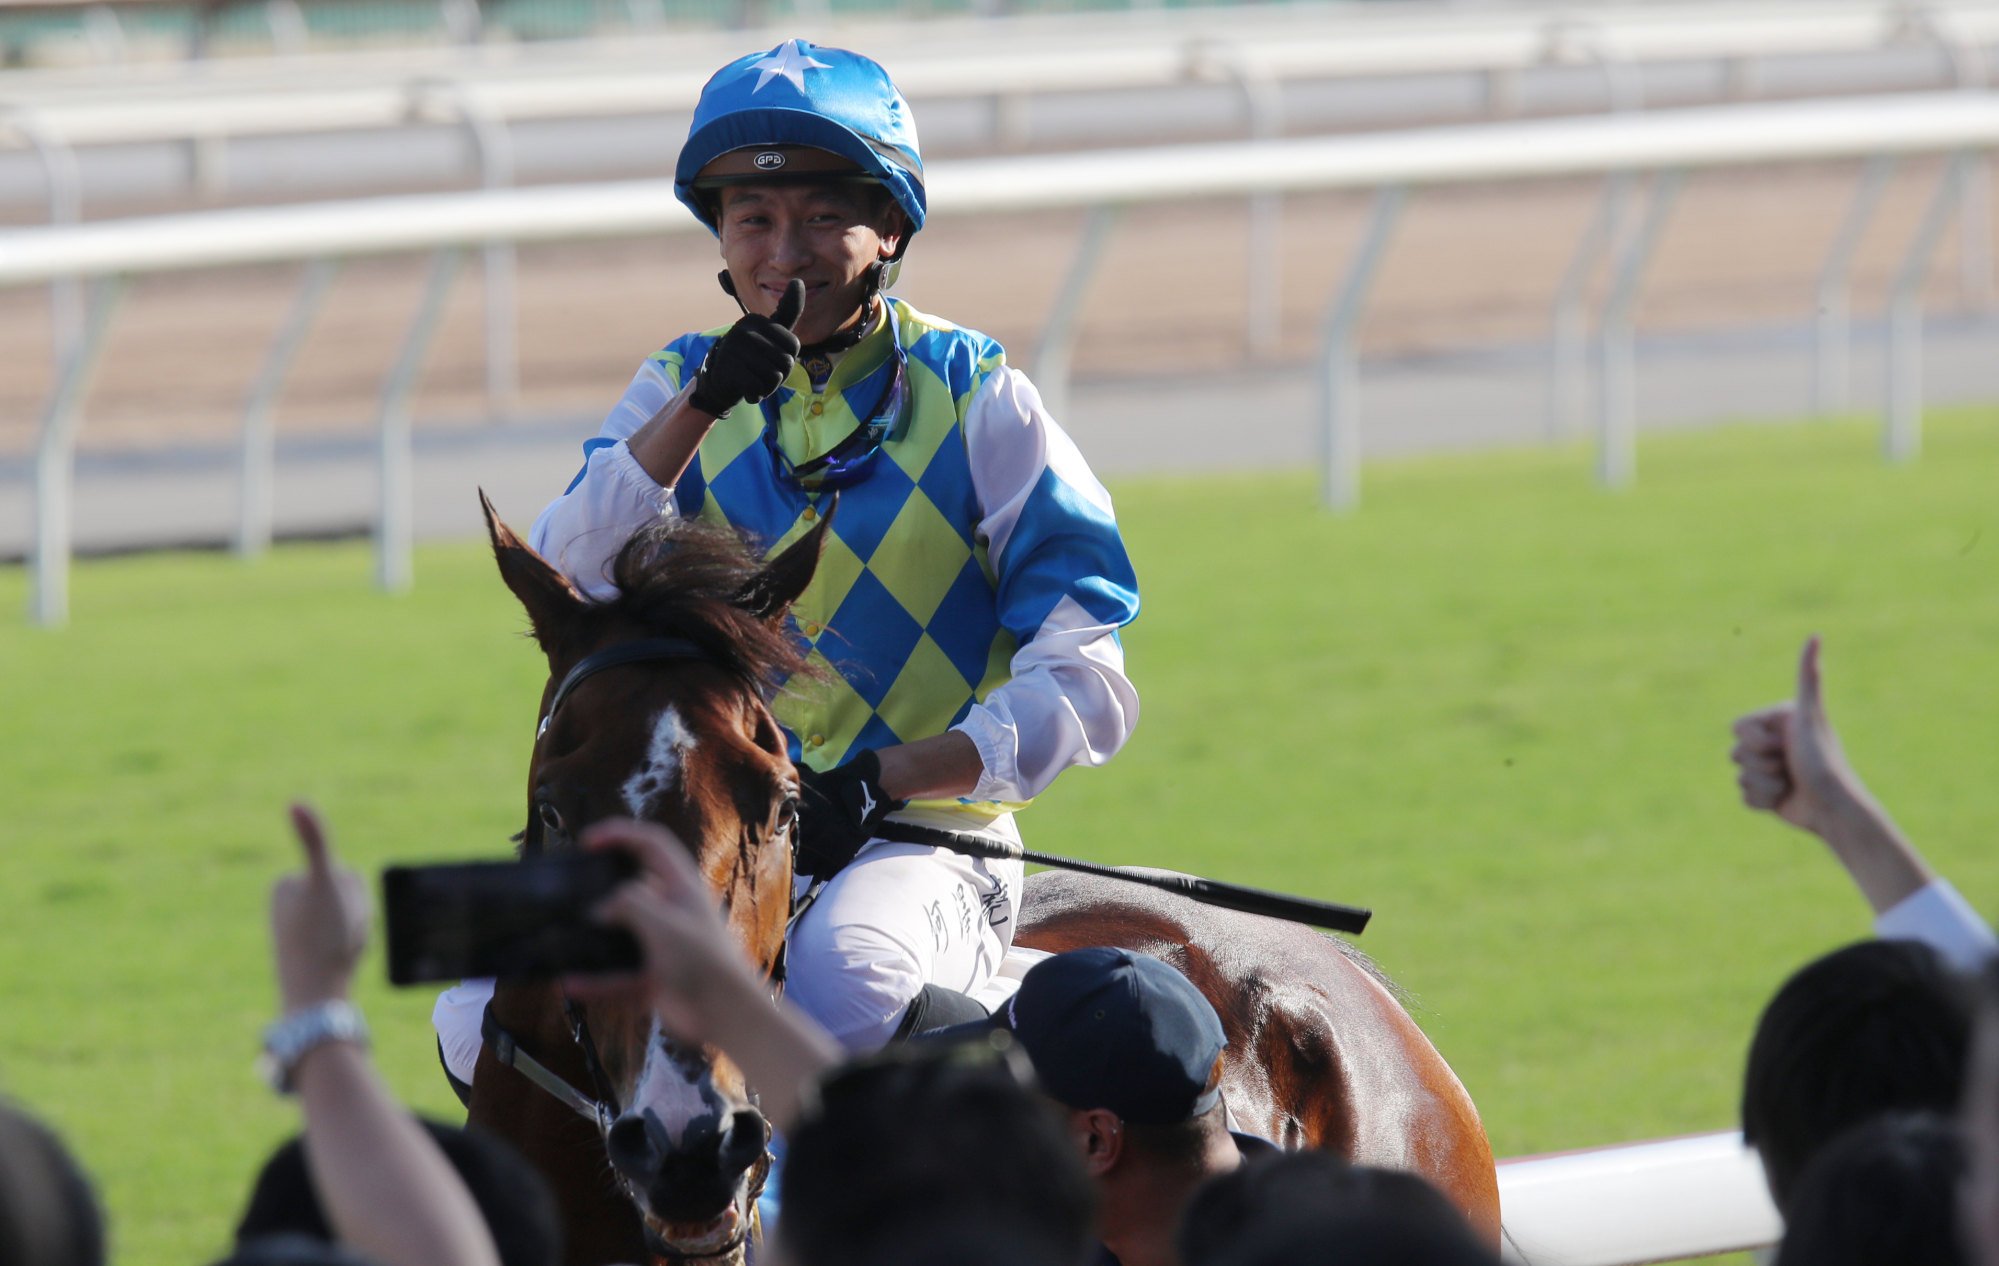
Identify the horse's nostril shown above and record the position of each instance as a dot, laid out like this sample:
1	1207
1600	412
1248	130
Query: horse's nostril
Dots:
629	1146
743	1143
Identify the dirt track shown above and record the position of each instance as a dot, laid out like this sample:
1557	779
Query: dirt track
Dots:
1467	267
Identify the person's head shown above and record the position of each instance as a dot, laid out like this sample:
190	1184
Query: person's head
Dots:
512	1196
1355	1237
291	1248
1878	1026
1232	1208
936	1152
1881	1194
48	1212
1132	1049
1978	1198
804	163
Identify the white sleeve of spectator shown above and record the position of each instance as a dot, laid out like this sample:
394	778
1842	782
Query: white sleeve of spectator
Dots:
583	529
1052	541
1938	915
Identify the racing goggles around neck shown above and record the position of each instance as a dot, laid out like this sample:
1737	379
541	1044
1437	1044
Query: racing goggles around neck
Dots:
848	461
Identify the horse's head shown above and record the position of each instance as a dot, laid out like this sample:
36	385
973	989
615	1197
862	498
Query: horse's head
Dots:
655	709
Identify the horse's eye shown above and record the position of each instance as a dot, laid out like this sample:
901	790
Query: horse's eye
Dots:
787	812
551	817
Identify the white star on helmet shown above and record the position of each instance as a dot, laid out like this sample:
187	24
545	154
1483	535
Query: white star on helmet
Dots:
790	62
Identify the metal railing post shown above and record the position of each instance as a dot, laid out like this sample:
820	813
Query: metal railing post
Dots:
289	31
1263	106
1568	327
1832	348
104	33
493	156
463	21
1339	405
1902	431
1625	90
1567	36
1970	72
63	184
256	455
1053	351
394	521
55	460
1617	402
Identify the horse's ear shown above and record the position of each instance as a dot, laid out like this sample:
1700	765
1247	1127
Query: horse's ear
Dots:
778	585
552	603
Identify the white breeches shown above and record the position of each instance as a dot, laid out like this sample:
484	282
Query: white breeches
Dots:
899	917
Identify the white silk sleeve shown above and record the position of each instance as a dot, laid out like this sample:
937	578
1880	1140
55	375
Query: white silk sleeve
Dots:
1065	586
611	497
1938	915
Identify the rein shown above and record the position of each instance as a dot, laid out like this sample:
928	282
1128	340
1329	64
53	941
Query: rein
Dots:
507	1049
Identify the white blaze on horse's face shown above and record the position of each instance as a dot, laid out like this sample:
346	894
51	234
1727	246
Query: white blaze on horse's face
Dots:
675	1089
659	773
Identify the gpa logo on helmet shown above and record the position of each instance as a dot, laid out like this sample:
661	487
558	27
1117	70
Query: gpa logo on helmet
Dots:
768	160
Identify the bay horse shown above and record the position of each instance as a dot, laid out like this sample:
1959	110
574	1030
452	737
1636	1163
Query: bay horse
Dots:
655	708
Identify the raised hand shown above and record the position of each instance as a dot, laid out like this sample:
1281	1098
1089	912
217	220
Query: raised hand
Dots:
1788	758
1790	763
751	360
319	921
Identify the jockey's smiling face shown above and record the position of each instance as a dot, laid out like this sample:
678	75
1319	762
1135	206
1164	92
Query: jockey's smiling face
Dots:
826	235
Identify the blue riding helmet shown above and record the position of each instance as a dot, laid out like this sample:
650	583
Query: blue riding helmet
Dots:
802	94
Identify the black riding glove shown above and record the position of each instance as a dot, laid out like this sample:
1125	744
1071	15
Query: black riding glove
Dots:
838	811
752	359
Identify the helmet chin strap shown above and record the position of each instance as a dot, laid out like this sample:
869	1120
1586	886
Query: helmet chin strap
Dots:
842	339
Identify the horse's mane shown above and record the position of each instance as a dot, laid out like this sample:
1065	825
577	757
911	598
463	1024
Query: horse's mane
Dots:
687	578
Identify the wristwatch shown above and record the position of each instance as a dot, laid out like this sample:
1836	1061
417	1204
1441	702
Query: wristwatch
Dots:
287	1041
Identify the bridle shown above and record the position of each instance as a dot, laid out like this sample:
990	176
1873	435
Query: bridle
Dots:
604	1109
645	650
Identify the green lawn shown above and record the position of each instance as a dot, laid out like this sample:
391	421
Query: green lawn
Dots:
1493	705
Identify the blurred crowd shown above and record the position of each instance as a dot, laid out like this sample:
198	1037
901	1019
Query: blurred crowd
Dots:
1082	1125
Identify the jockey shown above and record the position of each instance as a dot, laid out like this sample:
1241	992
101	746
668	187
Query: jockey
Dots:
965	612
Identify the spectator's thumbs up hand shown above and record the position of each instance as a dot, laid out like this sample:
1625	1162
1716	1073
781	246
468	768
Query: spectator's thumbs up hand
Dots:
1788	758
752	359
319	921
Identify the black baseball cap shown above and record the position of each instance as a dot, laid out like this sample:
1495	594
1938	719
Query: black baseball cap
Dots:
1112	1028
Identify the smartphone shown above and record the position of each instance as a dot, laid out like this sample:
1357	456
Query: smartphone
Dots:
522	918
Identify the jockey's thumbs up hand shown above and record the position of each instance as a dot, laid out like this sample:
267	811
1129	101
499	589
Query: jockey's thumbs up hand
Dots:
752	359
319	920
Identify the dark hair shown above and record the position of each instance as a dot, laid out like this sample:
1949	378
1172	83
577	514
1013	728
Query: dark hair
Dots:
1354	1236
1278	1188
516	1203
292	1249
927	1147
1877	1026
48	1211
1881	1194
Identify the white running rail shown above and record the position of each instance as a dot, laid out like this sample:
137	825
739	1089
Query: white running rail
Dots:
1954	124
1636	1202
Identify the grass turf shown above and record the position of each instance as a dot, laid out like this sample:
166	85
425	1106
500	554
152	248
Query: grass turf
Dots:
1493	704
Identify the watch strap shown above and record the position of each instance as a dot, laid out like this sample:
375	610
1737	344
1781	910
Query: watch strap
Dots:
287	1041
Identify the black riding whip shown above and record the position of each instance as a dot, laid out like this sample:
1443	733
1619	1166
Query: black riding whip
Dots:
1278	905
